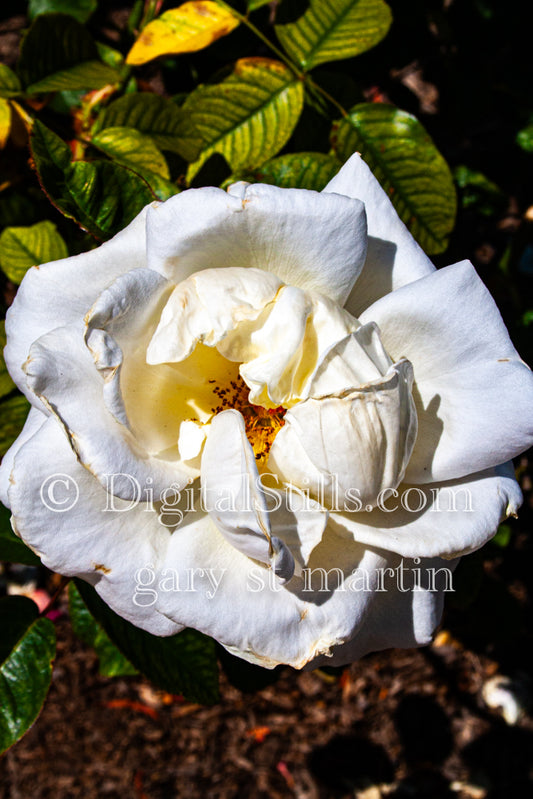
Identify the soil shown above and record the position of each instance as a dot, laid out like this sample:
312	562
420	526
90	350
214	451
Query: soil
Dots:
396	724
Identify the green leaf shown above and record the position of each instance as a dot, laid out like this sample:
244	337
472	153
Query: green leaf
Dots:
503	536
477	191
253	5
161	119
9	83
13	413
112	661
113	58
66	102
407	164
184	663
331	30
58	53
6	384
295	171
524	138
12	549
248	117
27	650
89	75
527	319
138	152
101	196
79	9
24	247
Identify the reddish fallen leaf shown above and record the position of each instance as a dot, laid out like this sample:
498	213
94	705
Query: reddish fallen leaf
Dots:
138	707
345	684
170	699
178	712
285	773
258	733
138	784
345	679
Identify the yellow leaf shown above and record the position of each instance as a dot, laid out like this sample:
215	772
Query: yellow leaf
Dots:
191	26
5	121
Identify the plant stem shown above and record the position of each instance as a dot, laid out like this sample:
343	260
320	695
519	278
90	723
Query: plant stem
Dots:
326	95
303	76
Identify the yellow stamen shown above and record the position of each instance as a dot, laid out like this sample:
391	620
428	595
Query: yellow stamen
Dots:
262	424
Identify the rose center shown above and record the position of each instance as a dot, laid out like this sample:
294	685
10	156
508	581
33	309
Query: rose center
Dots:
262	424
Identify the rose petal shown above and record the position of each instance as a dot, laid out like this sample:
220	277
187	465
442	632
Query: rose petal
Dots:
279	353
60	371
393	258
473	394
118	328
353	361
314	241
234	498
60	293
400	618
105	547
440	520
34	421
298	520
151	401
206	307
244	606
351	446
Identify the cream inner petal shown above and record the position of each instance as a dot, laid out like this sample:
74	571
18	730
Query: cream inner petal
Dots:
240	339
278	334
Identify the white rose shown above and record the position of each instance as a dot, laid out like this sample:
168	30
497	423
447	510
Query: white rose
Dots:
224	337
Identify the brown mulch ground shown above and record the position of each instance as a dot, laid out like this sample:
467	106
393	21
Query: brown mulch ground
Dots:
397	724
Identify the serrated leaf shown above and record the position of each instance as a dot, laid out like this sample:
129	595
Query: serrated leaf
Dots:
13	413
27	650
12	549
9	83
184	663
101	196
112	661
6	384
5	122
295	171
160	118
79	9
331	30
24	247
190	27
407	164
133	149
58	53
248	117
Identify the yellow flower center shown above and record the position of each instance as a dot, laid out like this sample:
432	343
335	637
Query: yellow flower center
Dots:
262	424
